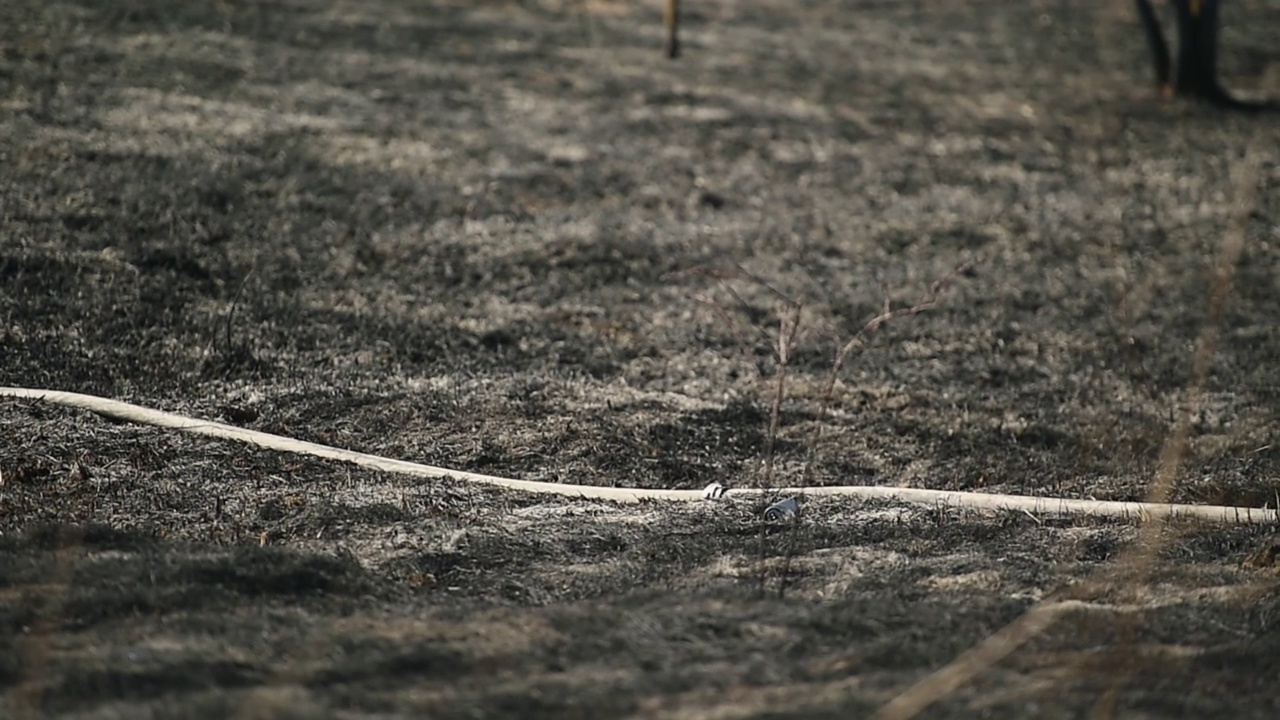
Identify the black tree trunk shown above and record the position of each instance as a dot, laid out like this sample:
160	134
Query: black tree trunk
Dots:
1197	68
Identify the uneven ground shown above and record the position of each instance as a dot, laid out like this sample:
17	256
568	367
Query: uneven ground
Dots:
512	238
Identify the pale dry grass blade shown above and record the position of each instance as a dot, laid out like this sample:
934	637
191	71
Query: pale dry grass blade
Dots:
1135	565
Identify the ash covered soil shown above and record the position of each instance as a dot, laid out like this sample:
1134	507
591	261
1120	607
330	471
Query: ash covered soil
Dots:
511	238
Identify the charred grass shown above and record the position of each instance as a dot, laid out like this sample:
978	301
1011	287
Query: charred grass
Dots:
510	238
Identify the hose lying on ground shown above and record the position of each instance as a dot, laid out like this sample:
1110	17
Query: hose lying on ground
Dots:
987	501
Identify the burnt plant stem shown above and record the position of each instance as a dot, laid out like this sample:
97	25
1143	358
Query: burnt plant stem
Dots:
788	327
231	314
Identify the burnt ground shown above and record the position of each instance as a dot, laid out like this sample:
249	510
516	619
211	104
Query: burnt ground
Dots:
511	238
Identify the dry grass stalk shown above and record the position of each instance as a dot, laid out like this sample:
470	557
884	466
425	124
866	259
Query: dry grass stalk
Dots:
1134	567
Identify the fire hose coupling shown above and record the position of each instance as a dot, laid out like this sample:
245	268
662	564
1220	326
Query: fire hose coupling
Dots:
786	509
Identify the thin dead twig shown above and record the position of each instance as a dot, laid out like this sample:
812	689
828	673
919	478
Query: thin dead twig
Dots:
888	314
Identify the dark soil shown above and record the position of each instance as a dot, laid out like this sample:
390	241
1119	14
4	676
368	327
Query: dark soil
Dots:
511	238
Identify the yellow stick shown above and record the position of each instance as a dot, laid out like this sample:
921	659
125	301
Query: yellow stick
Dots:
671	21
